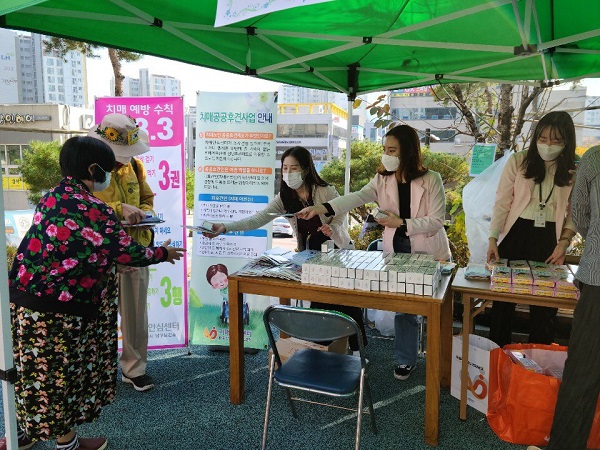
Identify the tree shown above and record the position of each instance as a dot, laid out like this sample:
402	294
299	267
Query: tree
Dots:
490	112
189	189
40	168
62	46
366	157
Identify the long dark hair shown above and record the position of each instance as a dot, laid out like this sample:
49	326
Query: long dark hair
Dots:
311	178
411	162
561	125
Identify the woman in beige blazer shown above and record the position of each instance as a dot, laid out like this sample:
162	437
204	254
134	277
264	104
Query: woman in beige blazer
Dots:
414	203
531	218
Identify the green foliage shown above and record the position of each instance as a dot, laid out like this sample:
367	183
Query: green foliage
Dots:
11	252
365	159
40	168
369	236
189	189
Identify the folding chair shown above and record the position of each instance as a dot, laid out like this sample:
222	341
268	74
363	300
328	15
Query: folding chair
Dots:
316	371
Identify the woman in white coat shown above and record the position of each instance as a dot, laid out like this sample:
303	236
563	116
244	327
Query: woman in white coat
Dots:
302	186
413	199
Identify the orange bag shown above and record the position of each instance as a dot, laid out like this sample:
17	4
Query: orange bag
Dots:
521	403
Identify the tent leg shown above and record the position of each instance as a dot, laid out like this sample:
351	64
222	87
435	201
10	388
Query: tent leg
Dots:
348	148
6	355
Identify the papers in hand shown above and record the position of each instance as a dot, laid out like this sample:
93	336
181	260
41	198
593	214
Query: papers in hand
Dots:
147	222
199	228
274	214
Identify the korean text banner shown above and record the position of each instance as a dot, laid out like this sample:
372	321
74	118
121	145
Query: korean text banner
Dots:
235	158
162	118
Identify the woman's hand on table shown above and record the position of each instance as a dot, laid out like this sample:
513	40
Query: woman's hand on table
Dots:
559	253
492	253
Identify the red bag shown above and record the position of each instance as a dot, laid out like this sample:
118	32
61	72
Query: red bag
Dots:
521	403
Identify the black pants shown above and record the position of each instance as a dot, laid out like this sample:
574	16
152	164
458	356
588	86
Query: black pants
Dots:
524	241
578	393
352	311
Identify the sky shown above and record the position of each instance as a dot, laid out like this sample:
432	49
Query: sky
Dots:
195	78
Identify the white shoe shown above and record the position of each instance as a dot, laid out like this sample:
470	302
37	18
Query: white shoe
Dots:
533	447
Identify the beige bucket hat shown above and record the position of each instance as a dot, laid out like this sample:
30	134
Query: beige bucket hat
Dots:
122	134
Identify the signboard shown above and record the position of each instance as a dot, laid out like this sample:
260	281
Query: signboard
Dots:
235	158
232	11
482	156
162	118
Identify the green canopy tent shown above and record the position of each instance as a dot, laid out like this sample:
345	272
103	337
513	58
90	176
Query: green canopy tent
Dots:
350	46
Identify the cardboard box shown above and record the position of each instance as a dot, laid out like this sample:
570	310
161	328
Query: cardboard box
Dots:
287	347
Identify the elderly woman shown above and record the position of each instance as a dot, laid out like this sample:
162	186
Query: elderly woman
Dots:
63	301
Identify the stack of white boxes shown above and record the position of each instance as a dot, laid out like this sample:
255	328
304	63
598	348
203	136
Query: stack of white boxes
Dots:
374	271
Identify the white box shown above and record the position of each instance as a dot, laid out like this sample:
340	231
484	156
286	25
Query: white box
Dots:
383	286
401	288
305	278
428	290
335	282
327	246
374	285
313	278
351	272
418	289
414	276
401	275
383	275
410	288
335	271
343	272
392	286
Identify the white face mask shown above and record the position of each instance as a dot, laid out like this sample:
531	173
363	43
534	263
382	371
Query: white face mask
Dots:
123	159
293	179
549	152
391	163
100	186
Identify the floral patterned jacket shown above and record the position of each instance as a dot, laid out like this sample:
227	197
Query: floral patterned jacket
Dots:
66	260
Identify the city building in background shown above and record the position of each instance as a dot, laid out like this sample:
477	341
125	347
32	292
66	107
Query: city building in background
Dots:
149	85
30	74
591	121
22	123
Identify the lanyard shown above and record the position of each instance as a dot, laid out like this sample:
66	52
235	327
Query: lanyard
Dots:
543	204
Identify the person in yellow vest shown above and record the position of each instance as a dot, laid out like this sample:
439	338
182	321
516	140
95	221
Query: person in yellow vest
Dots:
131	198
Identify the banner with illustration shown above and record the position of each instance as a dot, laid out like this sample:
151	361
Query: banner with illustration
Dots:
162	118
235	158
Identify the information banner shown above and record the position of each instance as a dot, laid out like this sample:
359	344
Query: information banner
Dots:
162	118
482	157
235	175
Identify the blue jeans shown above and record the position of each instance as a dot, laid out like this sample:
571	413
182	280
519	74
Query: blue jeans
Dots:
406	330
406	338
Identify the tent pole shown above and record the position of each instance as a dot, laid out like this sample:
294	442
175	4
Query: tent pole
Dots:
348	148
6	354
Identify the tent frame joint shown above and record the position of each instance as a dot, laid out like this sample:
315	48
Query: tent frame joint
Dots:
367	39
525	50
157	23
249	71
251	31
9	375
439	76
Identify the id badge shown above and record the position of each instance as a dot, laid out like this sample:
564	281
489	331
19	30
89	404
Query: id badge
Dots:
539	219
